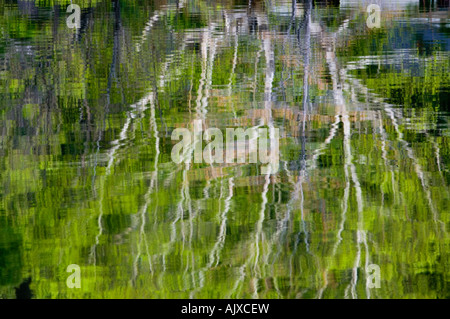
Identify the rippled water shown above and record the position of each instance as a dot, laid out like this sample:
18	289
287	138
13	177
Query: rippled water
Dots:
86	176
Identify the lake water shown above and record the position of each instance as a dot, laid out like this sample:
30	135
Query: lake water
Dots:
86	175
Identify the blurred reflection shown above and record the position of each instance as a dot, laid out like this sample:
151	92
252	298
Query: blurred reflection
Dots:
86	175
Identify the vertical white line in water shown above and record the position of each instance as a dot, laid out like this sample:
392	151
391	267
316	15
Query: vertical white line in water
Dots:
153	184
341	104
258	232
417	167
233	70
214	256
111	153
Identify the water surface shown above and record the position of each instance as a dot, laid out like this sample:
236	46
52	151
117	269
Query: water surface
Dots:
86	176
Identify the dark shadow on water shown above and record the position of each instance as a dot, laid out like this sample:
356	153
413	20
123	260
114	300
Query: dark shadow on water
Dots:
24	291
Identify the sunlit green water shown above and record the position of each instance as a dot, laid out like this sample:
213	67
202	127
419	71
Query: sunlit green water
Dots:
86	175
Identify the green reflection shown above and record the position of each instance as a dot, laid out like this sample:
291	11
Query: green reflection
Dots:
86	174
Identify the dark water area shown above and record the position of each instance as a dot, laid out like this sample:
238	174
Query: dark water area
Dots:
87	178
